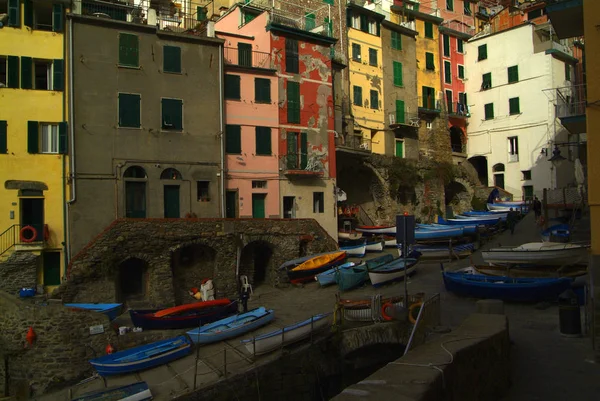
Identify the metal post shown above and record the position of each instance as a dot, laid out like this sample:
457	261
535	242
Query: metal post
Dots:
312	327
225	361
197	358
404	252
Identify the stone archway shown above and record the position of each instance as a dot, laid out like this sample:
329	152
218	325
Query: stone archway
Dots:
481	166
132	281
256	262
458	195
191	264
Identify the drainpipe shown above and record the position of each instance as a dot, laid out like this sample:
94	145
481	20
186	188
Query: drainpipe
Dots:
71	139
64	174
221	117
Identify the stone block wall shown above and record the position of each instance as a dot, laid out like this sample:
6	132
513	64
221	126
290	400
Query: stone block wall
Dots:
18	271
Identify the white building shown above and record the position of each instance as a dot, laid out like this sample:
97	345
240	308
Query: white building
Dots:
513	129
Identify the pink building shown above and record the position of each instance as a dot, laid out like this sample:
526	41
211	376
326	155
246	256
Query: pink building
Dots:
251	115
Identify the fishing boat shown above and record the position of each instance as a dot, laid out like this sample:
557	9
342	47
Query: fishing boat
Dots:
531	272
501	216
441	251
484	212
375	245
390	241
143	357
392	271
279	338
306	271
148	320
110	310
506	288
379	261
194	306
422	234
290	264
506	208
466	229
328	277
232	326
558	233
467	222
356	276
377	229
354	249
349	234
131	392
536	253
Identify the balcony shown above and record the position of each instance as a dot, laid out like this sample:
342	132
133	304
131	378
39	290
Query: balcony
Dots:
29	237
566	17
247	58
354	143
407	119
296	16
457	110
570	107
302	165
430	105
182	16
459	26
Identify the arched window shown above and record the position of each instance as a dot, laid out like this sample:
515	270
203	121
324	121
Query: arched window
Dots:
498	168
170	174
135	172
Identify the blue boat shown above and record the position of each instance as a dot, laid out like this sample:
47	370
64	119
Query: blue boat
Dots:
490	213
444	251
131	392
232	326
501	216
557	233
468	222
422	234
506	288
143	357
472	229
110	310
328	277
356	276
356	248
379	261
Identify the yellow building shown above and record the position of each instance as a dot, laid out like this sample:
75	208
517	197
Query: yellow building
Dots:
33	135
366	76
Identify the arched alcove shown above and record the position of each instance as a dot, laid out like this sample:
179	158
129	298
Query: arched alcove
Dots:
170	174
190	265
132	280
255	262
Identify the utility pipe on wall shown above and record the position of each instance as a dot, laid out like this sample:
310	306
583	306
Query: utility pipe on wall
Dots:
71	146
222	134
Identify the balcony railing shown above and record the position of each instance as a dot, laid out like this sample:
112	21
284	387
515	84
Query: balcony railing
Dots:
570	101
302	164
247	58
456	109
430	103
407	118
354	142
459	26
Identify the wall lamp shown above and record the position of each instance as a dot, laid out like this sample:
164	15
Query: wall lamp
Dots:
556	156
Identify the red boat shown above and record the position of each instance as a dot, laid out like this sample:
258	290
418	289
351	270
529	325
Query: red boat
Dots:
191	307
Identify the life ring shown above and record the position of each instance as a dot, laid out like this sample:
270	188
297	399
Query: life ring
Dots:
28	229
46	233
347	211
412	319
384	315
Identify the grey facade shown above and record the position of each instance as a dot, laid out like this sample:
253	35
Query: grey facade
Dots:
399	128
146	143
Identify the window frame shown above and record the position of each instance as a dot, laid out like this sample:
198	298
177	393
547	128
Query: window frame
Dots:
265	90
139	95
429	61
447	72
373	60
239	139
179	62
162	117
238	83
428	30
354	94
356	56
482	52
318	202
199	191
488	108
513	72
398	78
121	62
512	104
374	93
513	147
526	175
396	38
460	68
460	46
41	126
292	59
484	80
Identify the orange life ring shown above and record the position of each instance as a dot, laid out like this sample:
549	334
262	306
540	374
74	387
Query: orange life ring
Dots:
28	229
412	319
384	315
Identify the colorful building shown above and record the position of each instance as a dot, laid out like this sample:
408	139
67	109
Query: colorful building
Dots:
33	135
251	116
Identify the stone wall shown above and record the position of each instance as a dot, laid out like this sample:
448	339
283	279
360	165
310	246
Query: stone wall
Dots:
18	271
166	248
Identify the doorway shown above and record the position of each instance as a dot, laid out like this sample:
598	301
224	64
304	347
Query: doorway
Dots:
171	201
32	214
499	180
231	204
132	280
51	268
258	206
288	207
135	199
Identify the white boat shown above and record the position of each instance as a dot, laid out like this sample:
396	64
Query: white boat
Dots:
276	339
377	229
390	242
501	216
546	253
355	251
349	235
376	246
392	271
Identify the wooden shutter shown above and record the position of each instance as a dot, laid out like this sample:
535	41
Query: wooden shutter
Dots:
26	72
374	99
400	117
378	28
461	71
450	5
33	139
291	55
172	114
200	13
489	111
13	72
172	59
262	90
263	141
446	45
400	149
129	110
447	72
293	100
233	139
394	39
232	87
3	137
14	15
397	73
487	80
357	95
57	18
245	54
292	151
482	52
349	18
364	23
303	150
129	55
63	142
513	105
310	21
459	44
513	74
58	75
429	64
428	29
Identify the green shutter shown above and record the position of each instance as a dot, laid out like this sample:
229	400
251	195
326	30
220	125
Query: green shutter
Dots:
233	139
3	137
129	110
429	63
263	141
232	87
364	24
57	17
63	142
245	54
397	73
513	106
513	74
58	75
13	72
291	56
400	112
129	55
447	72
357	92
262	90
487	81
172	114
26	72
303	150
33	140
461	72
482	52
394	39
450	5
374	100
172	59
399	149
428	30
28	13
293	100
310	21
459	45
349	18
567	72
489	111
292	151
14	16
446	45
330	2
200	13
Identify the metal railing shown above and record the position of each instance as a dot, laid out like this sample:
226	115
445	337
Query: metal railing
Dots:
571	101
353	141
306	162
459	26
429	315
247	58
9	238
430	103
295	15
457	109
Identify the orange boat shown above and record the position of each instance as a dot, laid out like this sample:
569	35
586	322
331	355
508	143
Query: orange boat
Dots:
306	271
190	307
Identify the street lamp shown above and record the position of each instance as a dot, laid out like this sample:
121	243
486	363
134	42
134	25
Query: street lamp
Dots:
556	158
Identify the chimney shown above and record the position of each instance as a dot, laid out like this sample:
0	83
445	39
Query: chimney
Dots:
210	29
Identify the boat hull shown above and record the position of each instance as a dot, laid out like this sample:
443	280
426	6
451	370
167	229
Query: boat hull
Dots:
232	326
146	319
550	255
132	392
532	272
328	277
375	246
110	310
377	229
355	251
444	251
350	235
438	233
352	278
297	275
389	273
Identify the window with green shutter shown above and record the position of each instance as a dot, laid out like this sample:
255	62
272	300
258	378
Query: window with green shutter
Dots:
428	98
446	40
400	117
373	57
245	54
262	90
486	81
57	18
12	80
58	75
33	137
399	148
396	40
567	72
397	73
449	102
172	114
130	110
172	59
14	15
428	29
513	74
357	95
293	100
292	158
129	53
429	62
303	150
3	137
310	21
513	106
489	111
374	100
482	52
460	46
450	5
232	87
26	73
330	2
355	52
263	141
291	56
447	72
201	13
461	72
63	141
233	139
